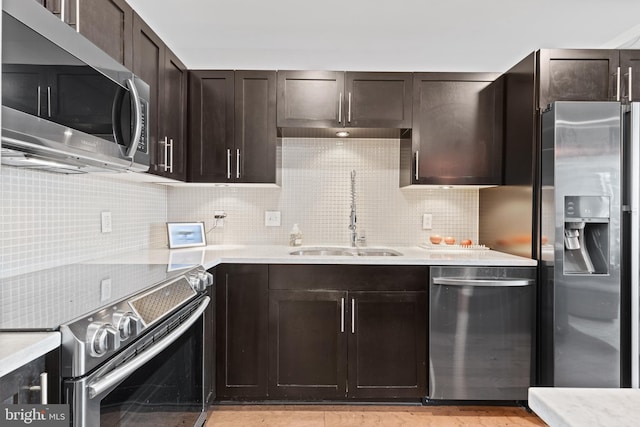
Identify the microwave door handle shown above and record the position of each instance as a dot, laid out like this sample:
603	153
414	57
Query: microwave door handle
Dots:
137	130
115	377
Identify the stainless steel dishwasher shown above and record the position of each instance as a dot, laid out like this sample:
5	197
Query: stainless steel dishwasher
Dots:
481	322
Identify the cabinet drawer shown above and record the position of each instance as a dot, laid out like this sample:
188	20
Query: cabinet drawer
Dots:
349	277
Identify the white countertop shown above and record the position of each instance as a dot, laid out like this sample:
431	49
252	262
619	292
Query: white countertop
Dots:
585	407
212	255
20	348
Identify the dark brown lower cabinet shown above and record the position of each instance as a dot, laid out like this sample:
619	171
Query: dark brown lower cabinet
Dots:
308	346
387	345
327	342
241	326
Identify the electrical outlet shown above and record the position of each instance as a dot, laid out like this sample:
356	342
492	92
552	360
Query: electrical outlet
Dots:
218	218
105	289
105	222
427	220
272	218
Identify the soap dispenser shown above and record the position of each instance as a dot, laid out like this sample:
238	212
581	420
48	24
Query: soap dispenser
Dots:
295	236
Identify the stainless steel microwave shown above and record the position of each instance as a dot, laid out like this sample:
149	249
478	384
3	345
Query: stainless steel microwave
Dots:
67	106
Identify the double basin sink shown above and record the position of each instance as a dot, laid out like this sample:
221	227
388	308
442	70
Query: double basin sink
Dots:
344	251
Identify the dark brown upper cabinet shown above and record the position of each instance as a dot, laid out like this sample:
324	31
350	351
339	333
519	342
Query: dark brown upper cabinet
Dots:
630	75
335	99
107	23
171	152
232	131
167	77
578	75
457	131
587	75
148	64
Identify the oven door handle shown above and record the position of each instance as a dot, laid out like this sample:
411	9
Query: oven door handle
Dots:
98	387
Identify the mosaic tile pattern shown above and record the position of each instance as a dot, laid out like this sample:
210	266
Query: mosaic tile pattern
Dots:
315	193
49	219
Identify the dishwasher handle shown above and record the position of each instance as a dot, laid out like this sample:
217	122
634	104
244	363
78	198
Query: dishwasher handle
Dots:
455	281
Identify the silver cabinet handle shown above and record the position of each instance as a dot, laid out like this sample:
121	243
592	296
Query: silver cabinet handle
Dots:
353	315
340	109
349	110
43	388
228	163
77	15
237	163
630	83
618	84
341	314
417	163
170	155
166	154
49	101
481	282
39	100
62	10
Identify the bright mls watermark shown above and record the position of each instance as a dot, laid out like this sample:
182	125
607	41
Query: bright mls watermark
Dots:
34	415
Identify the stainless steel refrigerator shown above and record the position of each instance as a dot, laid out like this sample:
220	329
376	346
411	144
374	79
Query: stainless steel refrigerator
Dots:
589	245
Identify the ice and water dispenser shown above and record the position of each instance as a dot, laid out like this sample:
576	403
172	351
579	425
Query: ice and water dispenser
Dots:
586	234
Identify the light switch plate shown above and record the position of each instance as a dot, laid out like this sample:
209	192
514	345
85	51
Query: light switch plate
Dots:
427	220
105	289
272	218
105	221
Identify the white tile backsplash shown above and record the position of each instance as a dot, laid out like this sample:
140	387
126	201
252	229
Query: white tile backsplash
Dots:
51	219
315	193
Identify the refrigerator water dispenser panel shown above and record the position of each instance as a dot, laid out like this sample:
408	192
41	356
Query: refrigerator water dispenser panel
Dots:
586	234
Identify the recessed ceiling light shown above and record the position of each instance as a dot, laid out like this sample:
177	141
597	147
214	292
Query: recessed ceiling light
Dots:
342	134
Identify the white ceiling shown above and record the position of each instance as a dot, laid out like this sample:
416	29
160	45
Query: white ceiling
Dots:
389	35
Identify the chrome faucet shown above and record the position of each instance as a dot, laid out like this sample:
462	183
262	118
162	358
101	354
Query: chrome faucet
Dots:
352	217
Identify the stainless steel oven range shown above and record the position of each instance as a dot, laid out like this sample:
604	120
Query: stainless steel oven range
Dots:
140	360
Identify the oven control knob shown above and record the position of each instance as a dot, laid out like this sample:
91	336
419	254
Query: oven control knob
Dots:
127	324
102	337
207	278
199	281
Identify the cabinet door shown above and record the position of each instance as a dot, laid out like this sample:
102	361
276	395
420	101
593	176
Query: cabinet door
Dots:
107	23
171	155
387	345
630	74
378	100
241	339
148	64
255	127
577	75
310	99
211	114
457	129
308	346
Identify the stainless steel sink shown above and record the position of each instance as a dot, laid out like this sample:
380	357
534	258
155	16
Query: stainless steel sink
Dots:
377	252
339	251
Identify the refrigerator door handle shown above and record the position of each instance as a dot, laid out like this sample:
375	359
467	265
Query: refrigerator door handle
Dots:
634	201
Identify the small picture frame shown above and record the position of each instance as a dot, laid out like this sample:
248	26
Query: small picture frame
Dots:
186	234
